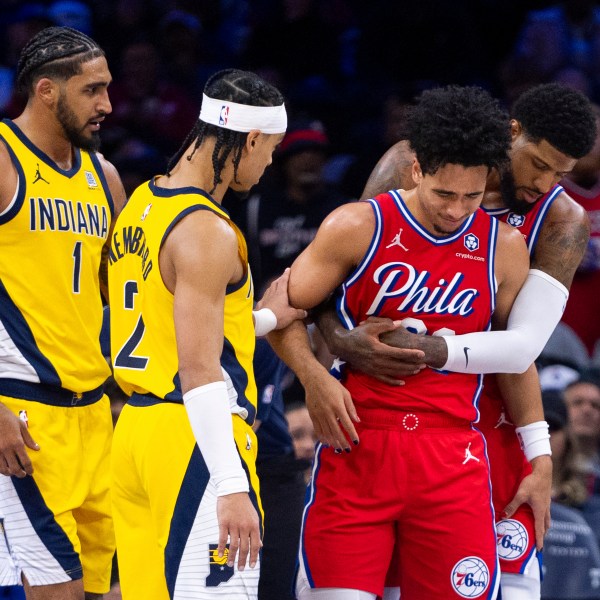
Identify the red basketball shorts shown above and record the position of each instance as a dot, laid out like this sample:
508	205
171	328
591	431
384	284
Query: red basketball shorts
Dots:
415	491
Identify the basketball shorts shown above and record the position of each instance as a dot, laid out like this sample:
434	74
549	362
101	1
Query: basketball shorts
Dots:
56	524
415	491
508	467
165	508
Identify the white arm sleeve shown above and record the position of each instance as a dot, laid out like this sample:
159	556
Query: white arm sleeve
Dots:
536	312
208	411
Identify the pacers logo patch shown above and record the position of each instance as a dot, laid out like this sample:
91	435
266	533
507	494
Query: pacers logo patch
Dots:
512	539
470	577
219	572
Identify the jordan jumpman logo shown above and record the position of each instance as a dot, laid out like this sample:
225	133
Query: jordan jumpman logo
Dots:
468	455
396	241
38	175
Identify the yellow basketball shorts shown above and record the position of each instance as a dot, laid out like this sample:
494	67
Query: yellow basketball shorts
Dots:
57	523
164	507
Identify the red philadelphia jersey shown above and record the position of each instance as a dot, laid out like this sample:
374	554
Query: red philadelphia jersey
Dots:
436	286
529	225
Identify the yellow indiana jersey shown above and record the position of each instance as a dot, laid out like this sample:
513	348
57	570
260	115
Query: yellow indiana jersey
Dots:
143	344
51	238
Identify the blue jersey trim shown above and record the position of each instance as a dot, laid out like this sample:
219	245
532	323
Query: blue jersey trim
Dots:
20	333
540	218
438	241
42	155
12	212
102	176
47	394
239	378
162	192
192	490
49	531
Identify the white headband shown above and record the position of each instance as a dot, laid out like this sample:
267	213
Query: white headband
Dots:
242	117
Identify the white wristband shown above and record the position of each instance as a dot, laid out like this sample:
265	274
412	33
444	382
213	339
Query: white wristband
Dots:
534	439
210	417
264	321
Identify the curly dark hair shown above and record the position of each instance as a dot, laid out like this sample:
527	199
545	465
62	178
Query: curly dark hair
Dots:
458	125
54	52
560	115
238	86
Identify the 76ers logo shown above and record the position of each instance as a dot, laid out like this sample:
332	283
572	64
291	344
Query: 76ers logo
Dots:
512	539
470	577
224	115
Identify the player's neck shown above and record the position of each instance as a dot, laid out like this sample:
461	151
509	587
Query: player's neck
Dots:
47	135
492	198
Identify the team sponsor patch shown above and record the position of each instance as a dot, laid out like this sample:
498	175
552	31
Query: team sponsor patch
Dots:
470	577
471	242
515	220
219	571
512	539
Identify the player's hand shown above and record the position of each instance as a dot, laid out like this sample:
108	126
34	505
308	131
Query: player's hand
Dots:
238	521
276	298
14	438
332	411
363	349
535	490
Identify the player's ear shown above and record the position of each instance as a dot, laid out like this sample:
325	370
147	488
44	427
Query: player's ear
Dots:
516	129
252	139
417	172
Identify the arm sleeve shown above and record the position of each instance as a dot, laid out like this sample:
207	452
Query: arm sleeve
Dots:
535	313
208	411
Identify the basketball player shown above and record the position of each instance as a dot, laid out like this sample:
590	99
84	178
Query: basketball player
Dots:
58	197
419	480
185	491
552	127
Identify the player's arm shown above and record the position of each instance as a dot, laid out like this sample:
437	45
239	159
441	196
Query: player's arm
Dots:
119	197
197	261
14	435
338	247
562	240
522	397
393	171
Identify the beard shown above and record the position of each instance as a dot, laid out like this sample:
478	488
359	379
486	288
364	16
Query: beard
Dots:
68	120
508	191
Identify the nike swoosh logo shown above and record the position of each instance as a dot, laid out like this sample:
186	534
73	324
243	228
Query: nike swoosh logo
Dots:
466	351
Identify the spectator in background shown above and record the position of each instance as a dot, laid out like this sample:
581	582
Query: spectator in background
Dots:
281	478
303	435
282	216
583	185
568	483
565	35
582	399
145	106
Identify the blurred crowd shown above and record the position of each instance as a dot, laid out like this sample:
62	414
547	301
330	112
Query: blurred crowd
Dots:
348	70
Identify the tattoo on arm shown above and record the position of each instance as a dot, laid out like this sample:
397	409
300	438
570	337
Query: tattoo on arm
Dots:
560	249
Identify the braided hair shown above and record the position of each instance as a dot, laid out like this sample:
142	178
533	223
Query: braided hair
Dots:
55	52
242	87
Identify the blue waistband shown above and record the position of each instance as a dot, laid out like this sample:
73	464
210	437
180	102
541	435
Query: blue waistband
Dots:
48	394
149	400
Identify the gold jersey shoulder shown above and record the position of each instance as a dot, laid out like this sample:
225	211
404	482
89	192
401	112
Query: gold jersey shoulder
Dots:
51	239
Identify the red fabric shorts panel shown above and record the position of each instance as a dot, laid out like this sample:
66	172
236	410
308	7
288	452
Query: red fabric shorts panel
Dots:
425	493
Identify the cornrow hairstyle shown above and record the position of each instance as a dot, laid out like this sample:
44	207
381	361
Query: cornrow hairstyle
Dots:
458	125
562	116
56	53
233	85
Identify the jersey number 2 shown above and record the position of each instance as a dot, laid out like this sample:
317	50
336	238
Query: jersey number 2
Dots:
125	358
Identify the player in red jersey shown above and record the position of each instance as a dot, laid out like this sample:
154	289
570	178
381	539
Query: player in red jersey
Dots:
419	480
552	127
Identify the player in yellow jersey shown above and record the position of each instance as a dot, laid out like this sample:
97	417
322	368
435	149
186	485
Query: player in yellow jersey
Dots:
58	198
185	493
